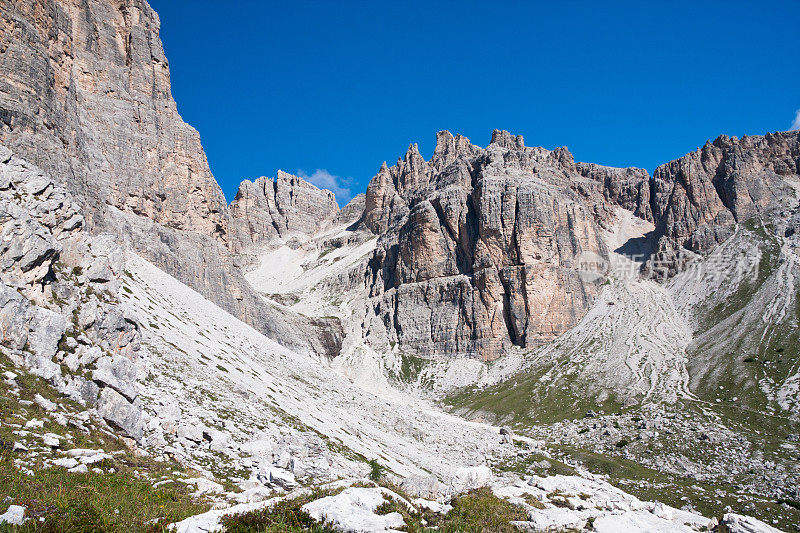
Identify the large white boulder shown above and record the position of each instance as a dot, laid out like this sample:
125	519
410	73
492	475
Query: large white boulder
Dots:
14	516
354	510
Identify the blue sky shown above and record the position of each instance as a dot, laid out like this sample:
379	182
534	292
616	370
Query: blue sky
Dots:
329	90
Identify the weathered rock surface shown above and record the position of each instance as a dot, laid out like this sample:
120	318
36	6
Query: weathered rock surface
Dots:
626	187
478	250
120	413
14	516
697	199
481	249
85	95
352	212
279	207
736	523
61	307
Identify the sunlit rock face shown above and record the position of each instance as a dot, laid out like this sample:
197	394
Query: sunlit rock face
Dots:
697	199
85	95
481	249
283	206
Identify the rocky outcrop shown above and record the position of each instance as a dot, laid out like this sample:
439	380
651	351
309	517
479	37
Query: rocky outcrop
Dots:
625	187
279	207
697	199
353	211
484	248
480	249
59	316
35	216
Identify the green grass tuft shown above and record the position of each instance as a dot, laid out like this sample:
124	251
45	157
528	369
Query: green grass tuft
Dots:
283	516
481	510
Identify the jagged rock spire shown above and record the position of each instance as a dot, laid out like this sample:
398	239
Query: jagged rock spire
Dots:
507	140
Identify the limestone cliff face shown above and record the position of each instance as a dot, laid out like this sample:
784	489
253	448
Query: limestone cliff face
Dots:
481	249
626	187
279	207
697	199
85	95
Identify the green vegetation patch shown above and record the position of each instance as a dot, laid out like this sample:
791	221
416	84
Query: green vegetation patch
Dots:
283	516
735	349
525	400
481	510
536	464
60	501
411	367
708	498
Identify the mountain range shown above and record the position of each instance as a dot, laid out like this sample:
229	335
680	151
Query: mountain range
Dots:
602	348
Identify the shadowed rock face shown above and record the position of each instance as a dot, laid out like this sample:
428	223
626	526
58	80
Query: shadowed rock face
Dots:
481	248
85	95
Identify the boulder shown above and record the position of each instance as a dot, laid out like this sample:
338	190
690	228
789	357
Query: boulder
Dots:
47	328
354	510
120	413
423	486
468	478
119	373
736	523
14	516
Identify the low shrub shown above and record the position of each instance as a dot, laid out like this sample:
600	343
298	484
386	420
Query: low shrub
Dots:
283	516
481	510
376	470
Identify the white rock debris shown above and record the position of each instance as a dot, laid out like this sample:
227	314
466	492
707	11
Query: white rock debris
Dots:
14	516
279	342
354	510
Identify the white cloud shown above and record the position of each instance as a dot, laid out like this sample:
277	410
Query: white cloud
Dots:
796	123
325	180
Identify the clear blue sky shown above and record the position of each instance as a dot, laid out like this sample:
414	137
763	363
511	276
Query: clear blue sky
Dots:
343	86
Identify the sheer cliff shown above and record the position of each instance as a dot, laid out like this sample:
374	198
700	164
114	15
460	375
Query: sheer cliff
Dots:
280	207
481	249
85	95
697	199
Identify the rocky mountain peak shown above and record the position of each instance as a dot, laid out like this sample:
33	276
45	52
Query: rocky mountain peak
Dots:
85	96
449	147
279	207
507	140
698	198
478	240
128	285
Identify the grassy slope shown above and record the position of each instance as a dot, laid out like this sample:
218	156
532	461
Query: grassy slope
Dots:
524	401
734	348
122	501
